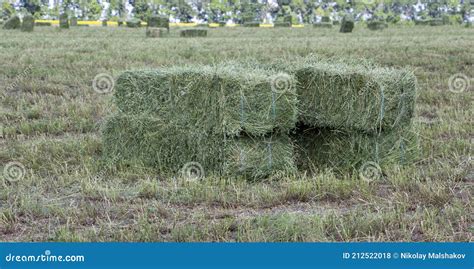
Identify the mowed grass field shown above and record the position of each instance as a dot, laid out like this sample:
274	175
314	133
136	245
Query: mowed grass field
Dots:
51	117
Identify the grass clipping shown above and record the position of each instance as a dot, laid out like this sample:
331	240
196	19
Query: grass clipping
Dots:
219	99
169	147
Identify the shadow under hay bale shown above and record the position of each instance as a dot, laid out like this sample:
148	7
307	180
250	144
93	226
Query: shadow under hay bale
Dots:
168	147
12	23
193	33
322	25
347	24
221	99
377	25
345	151
156	32
63	21
28	23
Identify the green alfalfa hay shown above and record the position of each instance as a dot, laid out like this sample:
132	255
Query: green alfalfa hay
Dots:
351	94
223	99
12	23
28	23
193	33
168	147
345	151
63	21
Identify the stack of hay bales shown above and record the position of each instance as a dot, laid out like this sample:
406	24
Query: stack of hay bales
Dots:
73	21
193	32
347	24
229	119
12	23
28	23
157	26
351	113
63	21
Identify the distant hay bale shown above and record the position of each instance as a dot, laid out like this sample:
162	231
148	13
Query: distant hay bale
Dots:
282	24
223	99
377	25
347	24
42	24
325	19
203	25
422	22
120	23
193	33
134	23
73	21
222	23
63	21
156	32
169	146
28	23
156	21
288	19
436	22
252	24
319	148
12	23
104	23
322	25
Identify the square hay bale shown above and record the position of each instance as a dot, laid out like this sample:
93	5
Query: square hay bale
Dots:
156	21
63	21
134	23
322	25
422	22
344	151
325	19
436	22
42	24
73	21
377	25
252	24
222	99
119	22
104	23
28	23
168	147
347	24
353	95
12	23
156	32
282	24
193	33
